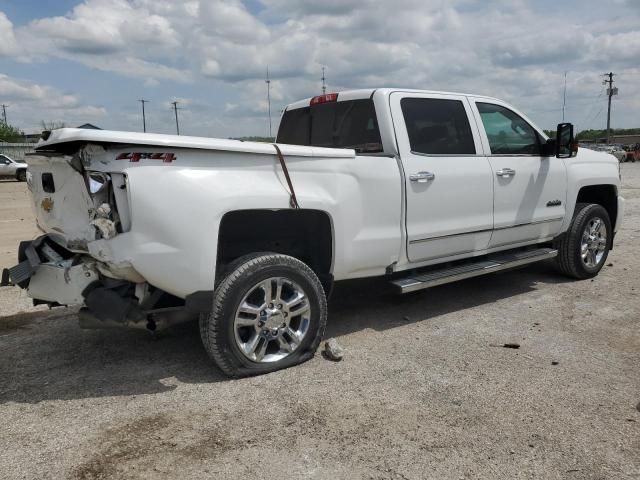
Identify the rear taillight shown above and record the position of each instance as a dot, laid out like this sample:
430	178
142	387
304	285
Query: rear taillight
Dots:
326	98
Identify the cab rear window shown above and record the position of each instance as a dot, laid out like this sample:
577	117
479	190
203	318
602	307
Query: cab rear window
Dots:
347	124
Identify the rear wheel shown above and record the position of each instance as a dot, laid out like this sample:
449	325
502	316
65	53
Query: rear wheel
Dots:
584	248
269	313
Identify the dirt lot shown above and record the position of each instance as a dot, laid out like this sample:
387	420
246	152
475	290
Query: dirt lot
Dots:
423	392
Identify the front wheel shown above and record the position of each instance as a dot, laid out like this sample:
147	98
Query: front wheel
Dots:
269	313
584	248
21	175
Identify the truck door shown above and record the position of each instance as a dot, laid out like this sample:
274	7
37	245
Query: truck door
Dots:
529	189
448	181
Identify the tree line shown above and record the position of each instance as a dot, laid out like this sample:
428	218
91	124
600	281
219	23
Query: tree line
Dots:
593	135
11	134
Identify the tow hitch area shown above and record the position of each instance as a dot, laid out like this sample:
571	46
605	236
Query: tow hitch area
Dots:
55	276
50	273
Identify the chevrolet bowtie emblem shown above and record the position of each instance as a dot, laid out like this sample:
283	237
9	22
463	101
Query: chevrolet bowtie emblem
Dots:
47	204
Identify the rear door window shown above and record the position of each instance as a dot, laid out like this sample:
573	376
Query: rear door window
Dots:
508	133
437	126
347	124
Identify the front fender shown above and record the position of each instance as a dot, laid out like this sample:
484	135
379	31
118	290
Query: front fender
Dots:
589	168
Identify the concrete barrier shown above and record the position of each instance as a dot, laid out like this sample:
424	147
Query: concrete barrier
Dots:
16	151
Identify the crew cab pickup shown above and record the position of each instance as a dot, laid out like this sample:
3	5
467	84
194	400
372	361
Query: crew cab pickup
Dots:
420	187
11	168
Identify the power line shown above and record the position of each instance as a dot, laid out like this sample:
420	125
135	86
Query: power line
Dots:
595	117
593	107
144	120
175	110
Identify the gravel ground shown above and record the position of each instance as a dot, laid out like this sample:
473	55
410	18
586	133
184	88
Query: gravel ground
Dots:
423	390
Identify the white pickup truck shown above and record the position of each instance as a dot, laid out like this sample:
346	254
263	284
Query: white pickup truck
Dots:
12	168
422	187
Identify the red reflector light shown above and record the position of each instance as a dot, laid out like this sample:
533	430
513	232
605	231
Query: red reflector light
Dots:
574	147
328	97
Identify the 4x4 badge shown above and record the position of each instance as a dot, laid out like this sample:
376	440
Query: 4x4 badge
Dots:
554	203
166	157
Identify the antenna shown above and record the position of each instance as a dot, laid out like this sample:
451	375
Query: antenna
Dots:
268	82
564	95
324	82
144	120
175	110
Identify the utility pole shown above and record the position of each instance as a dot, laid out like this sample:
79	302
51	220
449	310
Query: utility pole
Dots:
144	120
324	82
4	113
564	96
268	82
175	110
610	93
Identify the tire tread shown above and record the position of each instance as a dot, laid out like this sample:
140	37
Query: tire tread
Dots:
566	261
210	323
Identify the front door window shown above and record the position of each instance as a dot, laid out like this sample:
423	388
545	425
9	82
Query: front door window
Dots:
507	132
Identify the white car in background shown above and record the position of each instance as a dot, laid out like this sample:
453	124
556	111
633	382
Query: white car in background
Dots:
614	150
12	168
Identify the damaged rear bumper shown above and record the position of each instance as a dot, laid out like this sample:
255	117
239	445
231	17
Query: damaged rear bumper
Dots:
50	273
55	276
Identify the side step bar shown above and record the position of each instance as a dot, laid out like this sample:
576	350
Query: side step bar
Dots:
474	269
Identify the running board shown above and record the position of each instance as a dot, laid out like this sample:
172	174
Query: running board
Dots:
474	269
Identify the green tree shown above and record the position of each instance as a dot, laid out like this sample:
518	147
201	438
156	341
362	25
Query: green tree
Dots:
51	125
10	134
596	134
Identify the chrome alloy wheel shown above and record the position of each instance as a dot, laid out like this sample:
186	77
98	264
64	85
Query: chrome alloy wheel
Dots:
272	320
594	242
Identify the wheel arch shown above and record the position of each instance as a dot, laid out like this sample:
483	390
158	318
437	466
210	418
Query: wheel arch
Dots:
305	234
603	194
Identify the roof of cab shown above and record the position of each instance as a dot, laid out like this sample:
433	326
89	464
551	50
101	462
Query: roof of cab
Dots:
346	95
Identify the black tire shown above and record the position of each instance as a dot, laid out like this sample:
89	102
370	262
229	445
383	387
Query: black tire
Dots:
569	260
217	328
21	175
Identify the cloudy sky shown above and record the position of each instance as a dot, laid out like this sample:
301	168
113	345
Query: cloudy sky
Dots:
89	61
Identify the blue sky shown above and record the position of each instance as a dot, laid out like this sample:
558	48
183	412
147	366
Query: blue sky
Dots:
89	61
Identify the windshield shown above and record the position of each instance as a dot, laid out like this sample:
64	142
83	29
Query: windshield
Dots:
348	124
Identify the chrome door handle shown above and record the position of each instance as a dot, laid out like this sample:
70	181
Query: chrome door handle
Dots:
506	172
421	177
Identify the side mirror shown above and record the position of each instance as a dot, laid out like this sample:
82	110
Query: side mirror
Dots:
565	144
549	148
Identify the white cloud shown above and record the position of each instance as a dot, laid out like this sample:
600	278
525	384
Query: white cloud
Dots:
37	102
8	44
